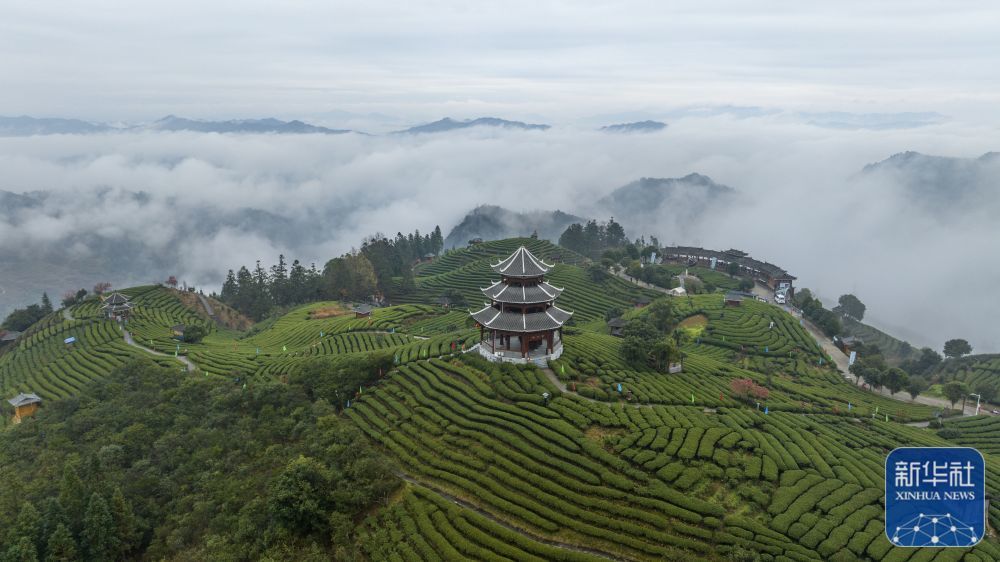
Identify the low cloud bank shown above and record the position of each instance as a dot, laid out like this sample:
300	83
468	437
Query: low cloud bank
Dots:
194	205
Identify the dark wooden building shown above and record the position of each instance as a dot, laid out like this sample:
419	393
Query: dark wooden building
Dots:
521	321
117	307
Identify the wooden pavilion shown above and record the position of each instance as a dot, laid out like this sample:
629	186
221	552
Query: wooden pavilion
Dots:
521	320
116	307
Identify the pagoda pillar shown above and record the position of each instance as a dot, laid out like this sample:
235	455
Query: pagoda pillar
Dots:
524	347
548	341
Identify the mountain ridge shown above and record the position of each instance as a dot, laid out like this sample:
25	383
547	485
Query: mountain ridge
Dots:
449	124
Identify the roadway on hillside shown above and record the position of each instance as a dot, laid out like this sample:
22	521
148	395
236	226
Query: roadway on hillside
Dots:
842	361
839	359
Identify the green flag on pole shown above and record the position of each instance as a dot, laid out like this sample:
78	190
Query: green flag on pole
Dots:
876	409
692	398
284	348
562	369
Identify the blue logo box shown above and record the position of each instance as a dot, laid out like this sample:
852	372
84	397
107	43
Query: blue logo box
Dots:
935	497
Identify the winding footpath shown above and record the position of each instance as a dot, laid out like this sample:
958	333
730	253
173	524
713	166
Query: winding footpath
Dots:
208	308
191	367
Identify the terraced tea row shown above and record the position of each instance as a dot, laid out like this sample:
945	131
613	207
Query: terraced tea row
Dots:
591	365
675	483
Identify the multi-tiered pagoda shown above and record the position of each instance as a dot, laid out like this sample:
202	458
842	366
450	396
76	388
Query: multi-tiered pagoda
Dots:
117	307
521	323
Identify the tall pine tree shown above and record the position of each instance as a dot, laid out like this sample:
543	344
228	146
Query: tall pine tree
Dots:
99	538
61	547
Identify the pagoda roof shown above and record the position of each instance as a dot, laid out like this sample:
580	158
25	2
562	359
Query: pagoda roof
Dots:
116	298
23	399
551	319
524	294
522	263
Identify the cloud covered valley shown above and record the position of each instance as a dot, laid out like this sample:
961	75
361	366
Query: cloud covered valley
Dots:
913	237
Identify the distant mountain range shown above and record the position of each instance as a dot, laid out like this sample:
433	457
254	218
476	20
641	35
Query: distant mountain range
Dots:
24	126
872	121
940	183
269	125
28	126
491	222
636	127
449	124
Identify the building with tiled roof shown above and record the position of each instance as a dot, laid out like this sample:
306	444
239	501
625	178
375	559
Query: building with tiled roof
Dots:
116	306
521	322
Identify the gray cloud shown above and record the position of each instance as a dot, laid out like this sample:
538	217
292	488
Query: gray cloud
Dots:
148	204
521	59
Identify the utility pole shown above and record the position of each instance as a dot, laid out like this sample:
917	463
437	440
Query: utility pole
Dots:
978	397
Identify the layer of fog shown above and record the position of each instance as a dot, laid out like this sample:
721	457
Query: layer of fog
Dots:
924	277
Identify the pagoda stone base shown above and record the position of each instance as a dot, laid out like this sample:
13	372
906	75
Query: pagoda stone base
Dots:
538	356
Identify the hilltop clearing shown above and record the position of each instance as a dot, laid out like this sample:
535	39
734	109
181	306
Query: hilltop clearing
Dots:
597	456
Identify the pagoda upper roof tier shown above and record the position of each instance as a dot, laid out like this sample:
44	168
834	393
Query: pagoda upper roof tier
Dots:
116	298
522	294
551	319
522	263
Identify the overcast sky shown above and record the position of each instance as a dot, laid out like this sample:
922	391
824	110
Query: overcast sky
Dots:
572	64
557	61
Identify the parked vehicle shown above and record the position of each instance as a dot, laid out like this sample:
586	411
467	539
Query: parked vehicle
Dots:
779	298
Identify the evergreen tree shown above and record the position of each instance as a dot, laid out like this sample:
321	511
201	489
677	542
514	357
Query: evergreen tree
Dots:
437	241
53	515
125	523
28	524
298	279
99	538
46	303
279	281
230	289
573	239
260	296
614	234
244	291
61	546
72	497
23	550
